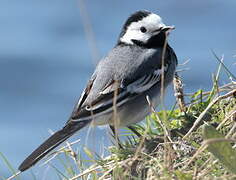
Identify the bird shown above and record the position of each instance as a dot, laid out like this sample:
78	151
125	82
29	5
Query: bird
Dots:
118	89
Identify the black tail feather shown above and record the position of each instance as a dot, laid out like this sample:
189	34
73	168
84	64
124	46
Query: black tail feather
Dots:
51	143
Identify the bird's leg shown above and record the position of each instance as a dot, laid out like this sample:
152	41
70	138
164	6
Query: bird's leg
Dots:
134	131
116	136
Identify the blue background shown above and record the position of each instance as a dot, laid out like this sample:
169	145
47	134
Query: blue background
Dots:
46	58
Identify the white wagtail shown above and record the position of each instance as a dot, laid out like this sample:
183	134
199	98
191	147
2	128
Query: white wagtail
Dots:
130	72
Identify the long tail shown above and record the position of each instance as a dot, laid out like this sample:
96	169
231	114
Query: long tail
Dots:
51	143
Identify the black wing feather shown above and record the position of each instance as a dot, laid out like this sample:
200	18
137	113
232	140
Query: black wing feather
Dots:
51	143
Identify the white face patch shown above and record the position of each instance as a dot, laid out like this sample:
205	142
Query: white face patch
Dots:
151	23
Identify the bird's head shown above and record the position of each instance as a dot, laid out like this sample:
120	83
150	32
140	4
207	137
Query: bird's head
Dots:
144	28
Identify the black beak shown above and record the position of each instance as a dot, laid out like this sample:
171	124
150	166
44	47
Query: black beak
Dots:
164	29
167	28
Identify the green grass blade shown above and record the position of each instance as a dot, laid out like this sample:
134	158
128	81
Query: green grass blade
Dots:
223	65
59	172
33	175
2	178
8	165
222	150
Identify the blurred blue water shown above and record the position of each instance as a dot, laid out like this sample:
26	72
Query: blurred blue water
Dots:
45	60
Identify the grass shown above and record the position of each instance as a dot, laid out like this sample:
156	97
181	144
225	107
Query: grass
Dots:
194	140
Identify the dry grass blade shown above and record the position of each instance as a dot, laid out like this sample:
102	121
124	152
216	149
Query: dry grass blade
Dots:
232	131
199	151
14	175
230	114
231	76
116	119
162	71
199	119
204	146
179	93
87	171
88	30
182	70
226	87
184	63
158	118
61	150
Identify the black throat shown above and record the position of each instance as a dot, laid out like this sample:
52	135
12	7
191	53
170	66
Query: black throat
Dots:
154	42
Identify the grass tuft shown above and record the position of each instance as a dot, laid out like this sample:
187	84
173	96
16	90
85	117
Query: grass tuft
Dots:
197	140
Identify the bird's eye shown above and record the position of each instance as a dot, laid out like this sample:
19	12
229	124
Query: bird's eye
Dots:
143	29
